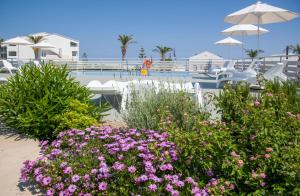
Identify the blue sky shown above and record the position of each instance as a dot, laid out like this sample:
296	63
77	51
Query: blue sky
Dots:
190	26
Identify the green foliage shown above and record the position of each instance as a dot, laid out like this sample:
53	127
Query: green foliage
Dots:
33	97
163	109
253	53
231	100
76	115
162	50
256	148
142	53
125	40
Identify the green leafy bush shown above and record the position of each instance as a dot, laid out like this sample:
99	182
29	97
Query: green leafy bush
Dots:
157	110
256	148
31	99
76	115
80	115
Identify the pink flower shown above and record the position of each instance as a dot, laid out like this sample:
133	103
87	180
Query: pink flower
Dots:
269	149
254	175
50	192
131	169
152	187
102	186
46	181
118	166
68	170
257	103
240	163
169	188
267	156
179	184
72	188
263	175
101	158
174	193
75	178
269	94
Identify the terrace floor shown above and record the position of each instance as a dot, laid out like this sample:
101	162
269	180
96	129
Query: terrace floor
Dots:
14	150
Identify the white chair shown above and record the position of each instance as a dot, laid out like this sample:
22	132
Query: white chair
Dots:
228	66
251	70
275	72
8	66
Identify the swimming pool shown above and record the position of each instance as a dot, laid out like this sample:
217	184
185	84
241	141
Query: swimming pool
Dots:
129	73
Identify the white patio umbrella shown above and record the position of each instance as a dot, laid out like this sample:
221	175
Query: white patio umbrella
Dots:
17	41
243	30
260	13
229	41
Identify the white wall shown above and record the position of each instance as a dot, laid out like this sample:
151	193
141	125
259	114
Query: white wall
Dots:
61	44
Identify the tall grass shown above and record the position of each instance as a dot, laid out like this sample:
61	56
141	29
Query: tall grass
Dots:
150	109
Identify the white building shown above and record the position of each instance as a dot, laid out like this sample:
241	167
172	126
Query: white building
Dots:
64	48
202	60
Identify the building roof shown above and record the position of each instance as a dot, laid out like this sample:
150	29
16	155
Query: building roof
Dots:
205	56
45	34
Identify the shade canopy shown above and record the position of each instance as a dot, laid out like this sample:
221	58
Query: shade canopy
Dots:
43	45
260	13
229	41
17	41
244	29
205	56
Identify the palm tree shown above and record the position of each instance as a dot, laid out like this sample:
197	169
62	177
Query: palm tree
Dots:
125	41
296	50
35	40
253	53
162	50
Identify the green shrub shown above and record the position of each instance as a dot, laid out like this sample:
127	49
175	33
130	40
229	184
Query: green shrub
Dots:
256	148
155	110
76	115
80	115
33	97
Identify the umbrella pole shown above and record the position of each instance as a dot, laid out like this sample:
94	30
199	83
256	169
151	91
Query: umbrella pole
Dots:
243	50
258	37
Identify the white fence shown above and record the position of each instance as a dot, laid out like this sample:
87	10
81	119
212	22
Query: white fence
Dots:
182	64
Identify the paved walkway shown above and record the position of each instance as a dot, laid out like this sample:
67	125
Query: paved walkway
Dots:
14	150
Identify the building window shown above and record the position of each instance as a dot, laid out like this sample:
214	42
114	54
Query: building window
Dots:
12	45
3	52
73	44
74	53
12	53
44	53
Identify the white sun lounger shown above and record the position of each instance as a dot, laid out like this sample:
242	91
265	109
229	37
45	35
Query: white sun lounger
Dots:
228	66
247	72
275	72
8	66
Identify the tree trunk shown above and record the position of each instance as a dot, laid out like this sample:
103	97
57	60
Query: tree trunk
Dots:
36	53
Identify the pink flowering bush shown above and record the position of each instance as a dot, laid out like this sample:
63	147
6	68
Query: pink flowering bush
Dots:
254	149
102	160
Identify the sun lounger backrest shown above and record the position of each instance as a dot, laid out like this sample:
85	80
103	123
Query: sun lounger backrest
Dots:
252	65
276	71
7	64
